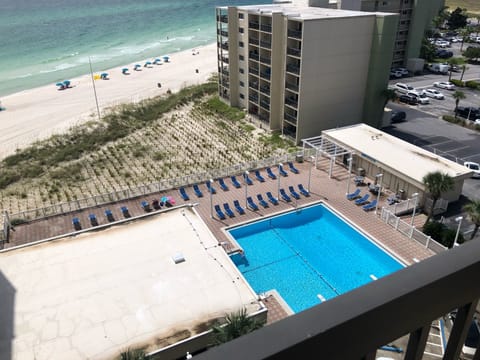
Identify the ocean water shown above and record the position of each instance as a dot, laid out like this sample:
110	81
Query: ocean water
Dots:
46	41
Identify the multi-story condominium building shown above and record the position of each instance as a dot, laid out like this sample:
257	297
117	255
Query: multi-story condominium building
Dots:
301	70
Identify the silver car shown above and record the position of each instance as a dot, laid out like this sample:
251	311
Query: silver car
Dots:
434	94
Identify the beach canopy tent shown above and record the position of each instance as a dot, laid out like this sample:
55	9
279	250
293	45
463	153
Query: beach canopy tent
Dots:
157	61
66	83
147	63
137	66
124	70
60	85
166	58
104	75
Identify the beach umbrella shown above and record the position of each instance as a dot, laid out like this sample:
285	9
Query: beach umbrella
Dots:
171	200
147	63
166	58
137	66
124	70
157	61
104	75
60	84
66	82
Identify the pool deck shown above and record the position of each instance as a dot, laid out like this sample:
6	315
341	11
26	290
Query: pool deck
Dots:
330	190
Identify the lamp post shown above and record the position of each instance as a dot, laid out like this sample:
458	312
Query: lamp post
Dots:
312	158
414	207
378	176
245	174
211	198
279	176
349	161
459	220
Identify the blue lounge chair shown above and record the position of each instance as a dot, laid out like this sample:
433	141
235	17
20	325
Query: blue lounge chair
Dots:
76	223
271	198
197	191
222	184
293	192
219	212
284	195
235	182
125	211
228	211
281	171
109	215
145	206
184	194
270	174
210	187
303	191
292	168
353	195
363	200
261	201
251	204
93	219
258	176
239	208
247	179
370	206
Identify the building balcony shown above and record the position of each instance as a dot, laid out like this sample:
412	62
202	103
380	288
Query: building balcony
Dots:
225	83
224	46
375	314
254	25
254	56
253	98
266	28
296	34
253	84
253	41
222	18
223	59
265	90
266	44
291	86
265	104
265	75
254	71
265	60
222	32
294	69
225	72
292	102
290	118
294	52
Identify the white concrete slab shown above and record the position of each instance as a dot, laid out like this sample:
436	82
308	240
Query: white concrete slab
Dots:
97	294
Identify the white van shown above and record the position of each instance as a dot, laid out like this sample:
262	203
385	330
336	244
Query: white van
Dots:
438	68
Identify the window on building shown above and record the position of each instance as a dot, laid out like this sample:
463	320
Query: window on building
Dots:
241	30
241	57
242	96
242	84
240	44
385	3
241	71
240	15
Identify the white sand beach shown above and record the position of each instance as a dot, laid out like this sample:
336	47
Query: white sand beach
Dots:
38	113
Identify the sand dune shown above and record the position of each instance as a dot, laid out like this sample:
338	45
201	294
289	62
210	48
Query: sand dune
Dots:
38	113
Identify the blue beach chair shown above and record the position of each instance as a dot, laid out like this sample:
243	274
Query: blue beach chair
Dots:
284	195
247	179
303	191
197	191
222	184
363	200
353	195
109	215
210	187
219	212
125	211
251	204
270	174
293	192
228	211
370	206
93	219
281	171
271	198
258	176
76	223
145	206
235	182
184	194
261	201
292	168
238	207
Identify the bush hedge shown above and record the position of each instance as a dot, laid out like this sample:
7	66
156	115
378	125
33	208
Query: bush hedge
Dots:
442	233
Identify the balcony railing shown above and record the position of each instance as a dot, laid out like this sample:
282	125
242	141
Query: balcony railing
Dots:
295	34
294	69
253	71
266	28
223	58
253	56
374	315
225	83
291	102
253	84
225	72
290	118
253	41
266	44
291	86
253	98
265	75
254	25
222	18
222	32
265	90
294	52
224	46
265	104
265	60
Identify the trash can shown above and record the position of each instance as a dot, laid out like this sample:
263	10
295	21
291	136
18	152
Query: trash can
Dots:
402	195
361	172
299	158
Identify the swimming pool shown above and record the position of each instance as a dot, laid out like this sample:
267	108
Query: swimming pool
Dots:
308	255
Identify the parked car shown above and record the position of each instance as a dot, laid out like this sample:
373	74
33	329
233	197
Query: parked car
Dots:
444	85
468	112
403	71
398	116
434	94
403	88
475	167
454	68
443	54
421	98
395	74
408	99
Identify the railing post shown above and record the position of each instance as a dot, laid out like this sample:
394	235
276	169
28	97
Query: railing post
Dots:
397	222
428	242
416	343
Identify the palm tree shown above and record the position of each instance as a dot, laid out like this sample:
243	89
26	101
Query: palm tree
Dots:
464	67
458	95
436	183
451	62
389	95
473	211
237	324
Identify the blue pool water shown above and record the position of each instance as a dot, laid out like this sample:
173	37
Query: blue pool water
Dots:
308	254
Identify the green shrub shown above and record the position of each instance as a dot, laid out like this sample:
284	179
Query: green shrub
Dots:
457	82
17	221
442	234
472	84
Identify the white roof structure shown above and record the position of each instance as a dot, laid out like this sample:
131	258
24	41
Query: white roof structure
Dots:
391	153
97	294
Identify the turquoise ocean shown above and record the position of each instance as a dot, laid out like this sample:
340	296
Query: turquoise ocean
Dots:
46	41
